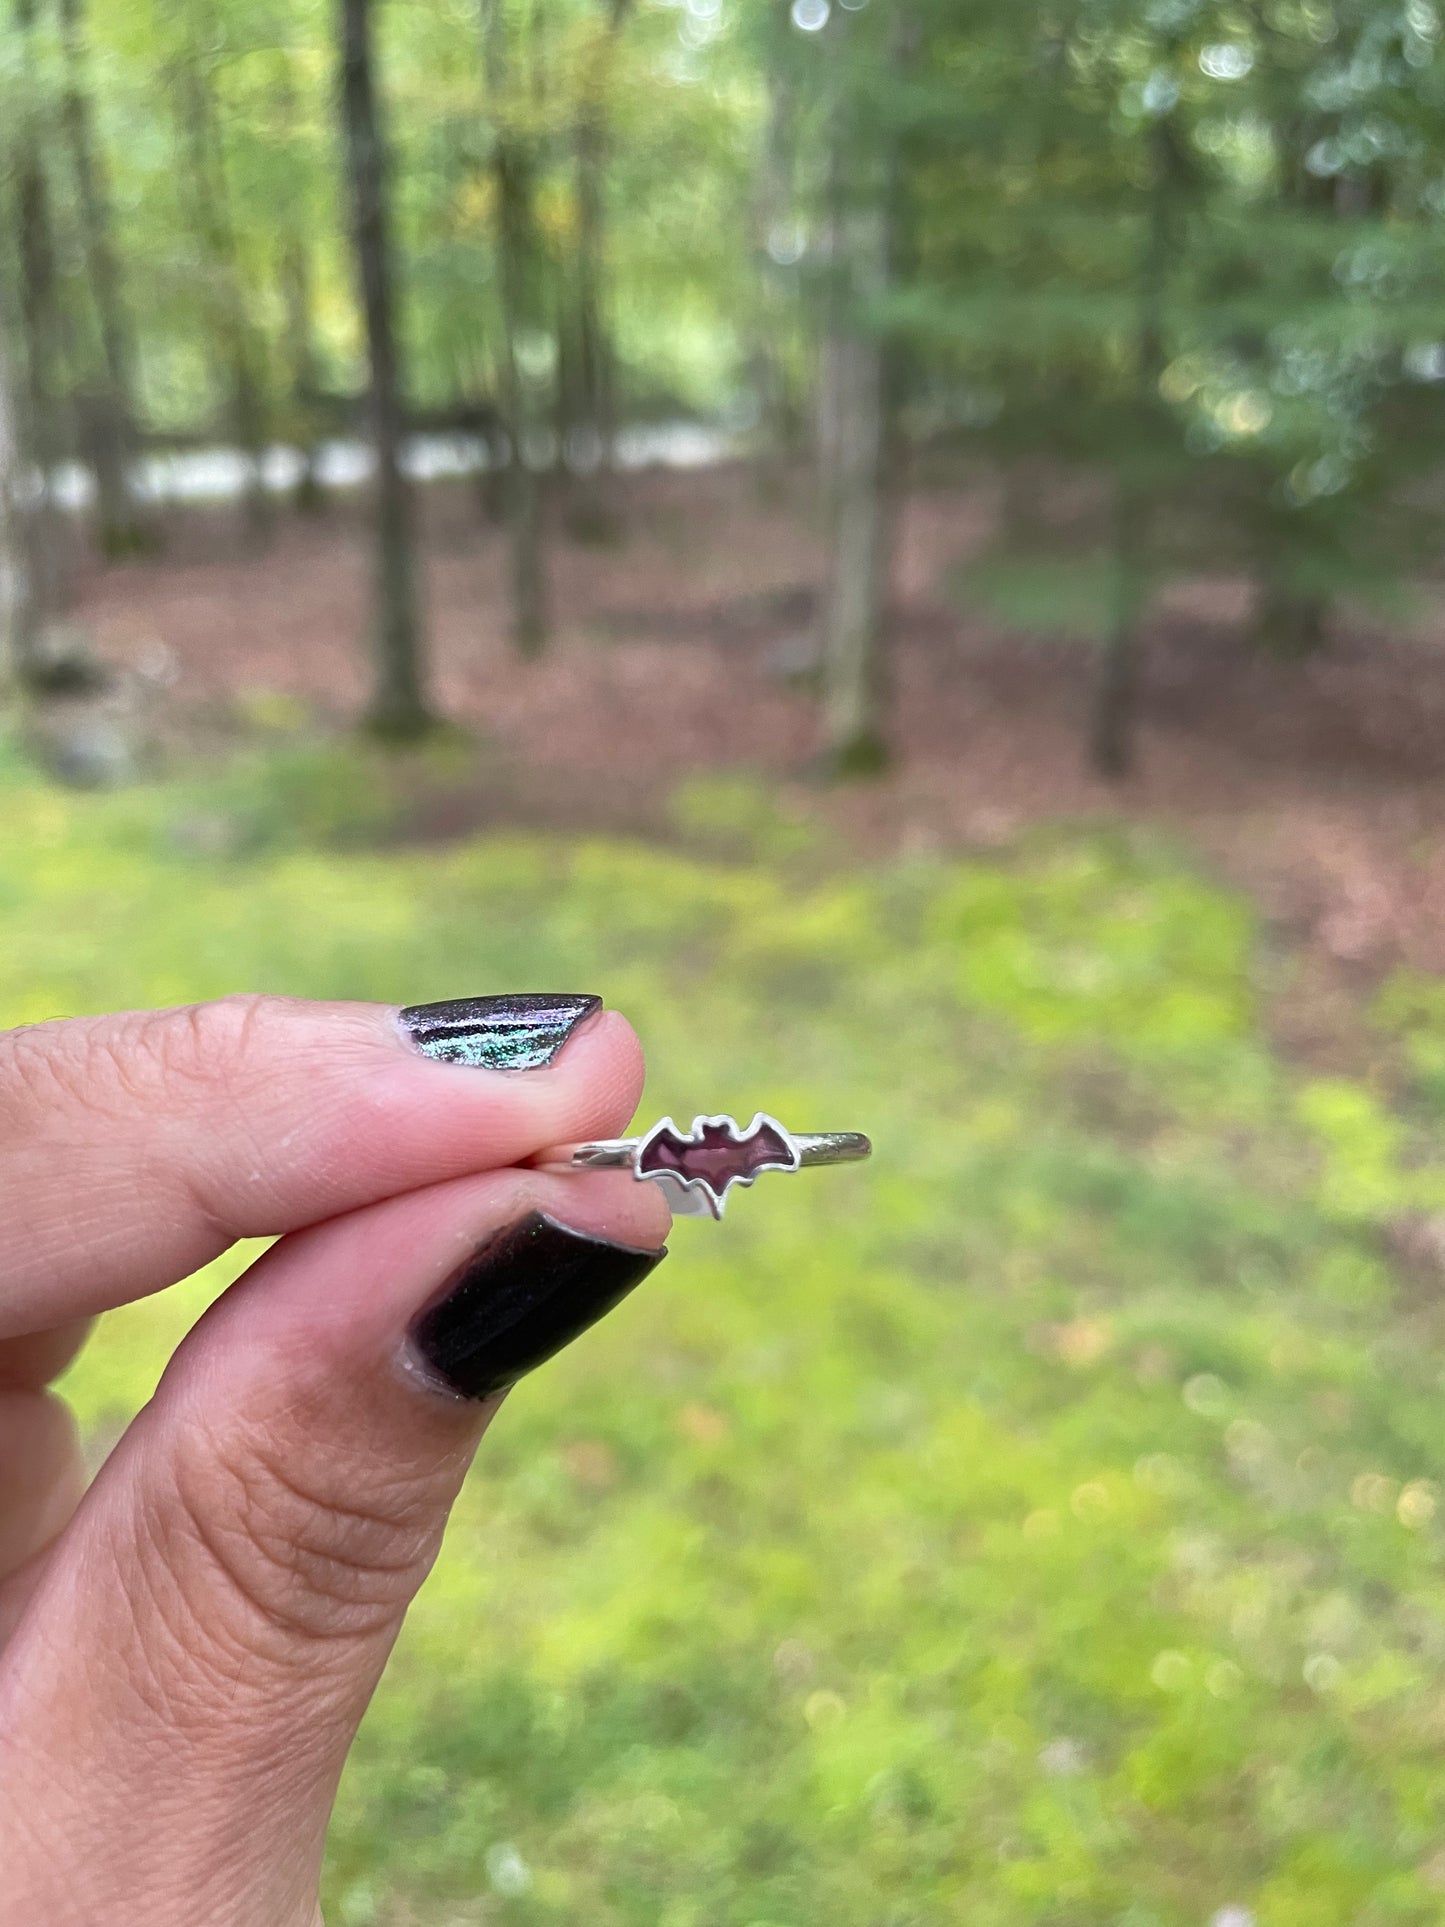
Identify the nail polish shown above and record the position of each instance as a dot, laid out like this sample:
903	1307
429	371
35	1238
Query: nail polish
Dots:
530	1290
516	1033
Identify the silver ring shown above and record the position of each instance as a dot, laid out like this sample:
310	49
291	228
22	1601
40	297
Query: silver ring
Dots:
698	1167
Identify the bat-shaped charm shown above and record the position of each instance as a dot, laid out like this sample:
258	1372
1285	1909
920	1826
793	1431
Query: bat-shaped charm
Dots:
715	1155
700	1166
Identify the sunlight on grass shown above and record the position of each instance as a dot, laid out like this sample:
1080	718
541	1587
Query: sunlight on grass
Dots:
1040	1524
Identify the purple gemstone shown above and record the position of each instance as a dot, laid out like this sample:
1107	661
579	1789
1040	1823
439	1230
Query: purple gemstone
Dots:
717	1155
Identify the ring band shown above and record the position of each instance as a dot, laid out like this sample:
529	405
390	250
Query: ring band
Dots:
701	1165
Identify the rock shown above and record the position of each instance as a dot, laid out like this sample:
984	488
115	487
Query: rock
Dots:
83	721
90	751
65	663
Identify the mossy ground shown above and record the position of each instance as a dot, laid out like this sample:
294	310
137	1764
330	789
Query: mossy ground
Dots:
1040	1525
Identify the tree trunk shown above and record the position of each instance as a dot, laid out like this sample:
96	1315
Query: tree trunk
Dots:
1288	622
107	415
1116	693
526	505
301	378
856	605
593	511
42	435
594	344
21	613
398	706
513	174
568	405
858	442
229	317
779	412
589	432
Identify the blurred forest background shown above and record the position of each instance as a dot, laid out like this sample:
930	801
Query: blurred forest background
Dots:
1155	287
899	541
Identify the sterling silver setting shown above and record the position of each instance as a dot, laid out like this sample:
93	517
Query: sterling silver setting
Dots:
698	1167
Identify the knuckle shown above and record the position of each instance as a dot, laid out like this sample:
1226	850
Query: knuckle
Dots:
205	1045
285	1546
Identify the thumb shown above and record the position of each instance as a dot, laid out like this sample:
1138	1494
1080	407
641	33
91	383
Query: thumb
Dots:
179	1695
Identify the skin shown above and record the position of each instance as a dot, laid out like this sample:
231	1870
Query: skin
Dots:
186	1648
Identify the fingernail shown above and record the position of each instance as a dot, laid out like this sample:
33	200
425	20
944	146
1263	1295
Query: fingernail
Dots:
518	1033
529	1291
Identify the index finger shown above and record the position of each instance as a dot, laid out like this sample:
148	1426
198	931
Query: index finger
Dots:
134	1149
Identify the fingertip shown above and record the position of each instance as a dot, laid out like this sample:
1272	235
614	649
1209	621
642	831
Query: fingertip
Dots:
609	1204
619	1049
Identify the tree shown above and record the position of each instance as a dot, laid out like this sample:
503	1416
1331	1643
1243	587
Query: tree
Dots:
43	436
514	165
399	708
107	407
231	331
1213	293
301	376
858	428
1112	735
777	248
21	612
1335	309
593	424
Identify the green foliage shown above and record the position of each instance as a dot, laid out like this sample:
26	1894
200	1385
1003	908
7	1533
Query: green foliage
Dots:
1068	596
1198	259
733	814
1040	1525
1412	1007
275	206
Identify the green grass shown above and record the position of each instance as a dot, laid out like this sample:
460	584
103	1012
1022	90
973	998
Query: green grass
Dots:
1039	1527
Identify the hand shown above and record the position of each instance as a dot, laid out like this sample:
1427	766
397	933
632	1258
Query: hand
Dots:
186	1650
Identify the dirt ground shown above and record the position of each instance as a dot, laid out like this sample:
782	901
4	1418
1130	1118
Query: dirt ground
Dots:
1320	786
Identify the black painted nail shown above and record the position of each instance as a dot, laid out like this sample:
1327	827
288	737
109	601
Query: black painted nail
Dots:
529	1291
517	1033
